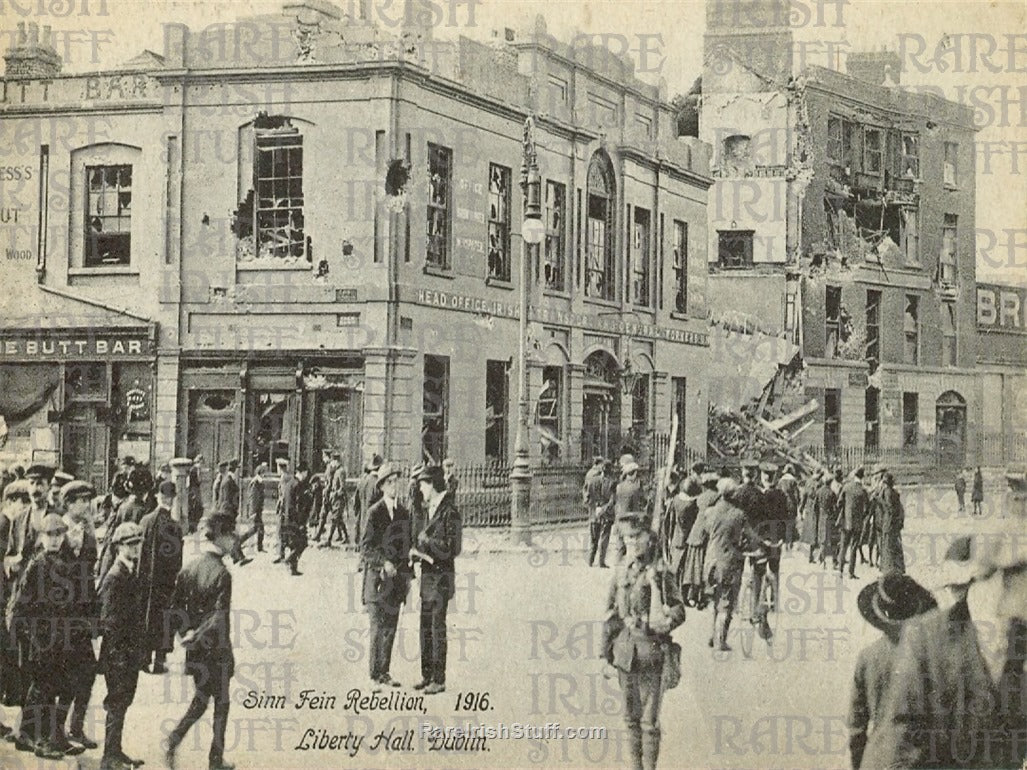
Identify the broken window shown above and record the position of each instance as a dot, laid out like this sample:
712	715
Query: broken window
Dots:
556	213
790	315
910	234
109	216
680	408
549	409
948	334
910	420
832	320
737	154
911	329
872	151
734	248
832	420
496	401
872	416
277	220
947	266
834	140
873	325
950	170
499	223
640	258
600	275
680	267
640	407
435	408
910	164
440	179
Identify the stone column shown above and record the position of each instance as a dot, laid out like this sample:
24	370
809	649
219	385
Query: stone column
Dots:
575	411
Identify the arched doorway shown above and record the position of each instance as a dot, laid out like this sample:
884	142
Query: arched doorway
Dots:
950	428
600	421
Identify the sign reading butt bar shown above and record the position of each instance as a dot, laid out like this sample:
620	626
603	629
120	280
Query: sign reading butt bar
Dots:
74	346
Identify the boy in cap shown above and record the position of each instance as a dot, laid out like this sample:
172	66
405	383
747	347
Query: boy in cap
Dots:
385	552
122	651
39	616
80	553
159	562
202	605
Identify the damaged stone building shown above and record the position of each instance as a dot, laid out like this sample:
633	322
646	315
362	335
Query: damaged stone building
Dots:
842	221
316	218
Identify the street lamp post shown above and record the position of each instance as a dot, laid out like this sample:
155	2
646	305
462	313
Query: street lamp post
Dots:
532	233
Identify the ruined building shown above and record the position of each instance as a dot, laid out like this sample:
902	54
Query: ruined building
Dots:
842	222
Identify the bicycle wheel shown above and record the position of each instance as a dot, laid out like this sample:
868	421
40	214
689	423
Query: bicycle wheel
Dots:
746	632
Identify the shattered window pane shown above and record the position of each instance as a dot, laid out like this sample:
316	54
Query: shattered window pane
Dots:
680	267
911	328
872	151
947	267
440	170
556	212
832	313
948	329
499	223
910	156
108	236
640	258
278	176
735	248
600	272
951	152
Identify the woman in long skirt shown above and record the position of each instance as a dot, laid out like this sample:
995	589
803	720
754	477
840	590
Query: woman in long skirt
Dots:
691	572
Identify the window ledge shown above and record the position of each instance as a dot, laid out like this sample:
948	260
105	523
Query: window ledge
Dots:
268	264
556	293
952	187
499	283
607	303
676	316
441	272
112	270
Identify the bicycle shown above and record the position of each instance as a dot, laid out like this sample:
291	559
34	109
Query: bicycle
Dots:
756	609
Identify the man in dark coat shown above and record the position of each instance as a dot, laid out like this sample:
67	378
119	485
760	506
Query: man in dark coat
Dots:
958	691
286	480
749	495
385	552
159	563
629	497
40	612
337	497
789	484
228	492
367	495
123	649
892	518
254	504
827	512
17	502
852	505
598	496
298	502
729	535
80	553
886	604
194	490
202	604
133	508
215	486
438	545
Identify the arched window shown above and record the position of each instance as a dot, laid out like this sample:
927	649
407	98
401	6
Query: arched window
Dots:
600	272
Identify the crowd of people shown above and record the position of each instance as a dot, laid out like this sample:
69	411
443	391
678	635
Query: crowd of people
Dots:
119	555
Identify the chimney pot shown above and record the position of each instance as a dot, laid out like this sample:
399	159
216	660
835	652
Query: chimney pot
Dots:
22	37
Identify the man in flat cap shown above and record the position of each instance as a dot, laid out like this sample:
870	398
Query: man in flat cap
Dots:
80	553
39	615
159	562
367	495
297	503
123	650
228	494
629	497
202	604
772	529
385	552
39	477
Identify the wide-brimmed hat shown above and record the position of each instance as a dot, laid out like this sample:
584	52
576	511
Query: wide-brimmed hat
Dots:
387	470
893	599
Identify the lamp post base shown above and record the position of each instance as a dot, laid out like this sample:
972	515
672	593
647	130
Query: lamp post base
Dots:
520	502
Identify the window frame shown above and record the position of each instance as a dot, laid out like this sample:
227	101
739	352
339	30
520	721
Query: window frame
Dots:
832	420
747	237
870	153
286	140
549	406
641	257
442	414
873	328
441	209
600	232
554	273
911	334
948	267
498	369
872	419
680	254
910	427
950	164
90	258
909	159
832	323
949	335
498	220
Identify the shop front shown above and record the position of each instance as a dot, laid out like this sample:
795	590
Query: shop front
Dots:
77	398
293	407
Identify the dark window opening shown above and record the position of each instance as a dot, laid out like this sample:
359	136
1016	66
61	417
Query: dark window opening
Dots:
549	411
735	248
435	408
499	223
910	420
832	421
911	330
600	273
872	415
497	399
873	349
680	267
640	261
440	171
108	216
555	251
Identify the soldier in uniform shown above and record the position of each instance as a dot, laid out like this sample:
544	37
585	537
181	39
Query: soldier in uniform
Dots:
629	497
385	552
159	563
202	604
598	495
438	545
80	552
643	607
298	503
337	505
122	651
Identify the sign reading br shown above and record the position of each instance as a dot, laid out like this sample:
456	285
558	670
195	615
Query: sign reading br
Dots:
1001	308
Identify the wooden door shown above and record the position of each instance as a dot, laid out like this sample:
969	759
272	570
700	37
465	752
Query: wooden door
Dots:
213	426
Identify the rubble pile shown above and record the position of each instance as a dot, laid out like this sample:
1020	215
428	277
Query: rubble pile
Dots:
734	435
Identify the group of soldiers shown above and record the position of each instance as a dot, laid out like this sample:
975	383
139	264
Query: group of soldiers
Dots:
710	523
62	586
